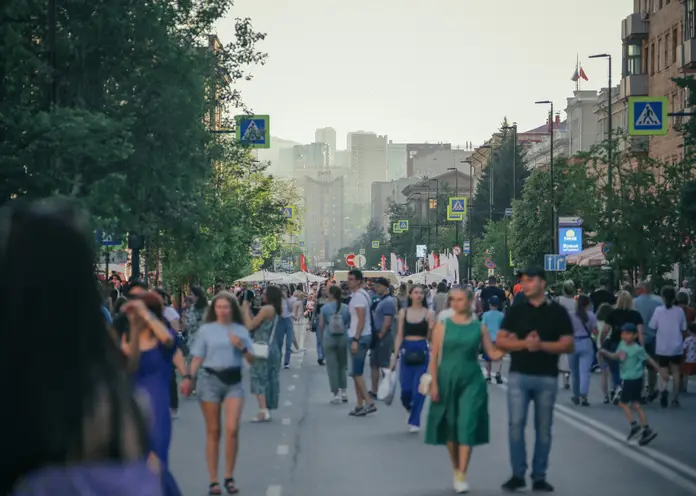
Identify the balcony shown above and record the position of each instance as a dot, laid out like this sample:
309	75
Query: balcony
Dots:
634	85
634	27
686	55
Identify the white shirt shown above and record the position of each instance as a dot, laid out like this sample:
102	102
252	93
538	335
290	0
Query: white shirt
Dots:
286	308
360	299
171	314
669	324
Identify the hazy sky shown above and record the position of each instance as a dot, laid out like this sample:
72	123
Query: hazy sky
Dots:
436	71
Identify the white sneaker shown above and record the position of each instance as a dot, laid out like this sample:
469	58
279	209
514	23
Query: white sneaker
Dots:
262	416
460	484
413	429
344	396
336	399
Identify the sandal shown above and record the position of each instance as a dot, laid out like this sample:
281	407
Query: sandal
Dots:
214	489
229	485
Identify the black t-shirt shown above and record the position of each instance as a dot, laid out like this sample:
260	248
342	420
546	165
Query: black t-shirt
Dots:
618	318
600	296
490	291
551	321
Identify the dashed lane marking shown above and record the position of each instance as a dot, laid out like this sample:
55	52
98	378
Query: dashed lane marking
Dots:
283	449
274	491
286	421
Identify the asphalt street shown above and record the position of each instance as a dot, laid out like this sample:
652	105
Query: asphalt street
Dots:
313	448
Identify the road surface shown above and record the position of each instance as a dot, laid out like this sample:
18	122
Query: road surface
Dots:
313	448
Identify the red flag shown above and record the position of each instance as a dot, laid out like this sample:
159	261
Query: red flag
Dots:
583	75
303	263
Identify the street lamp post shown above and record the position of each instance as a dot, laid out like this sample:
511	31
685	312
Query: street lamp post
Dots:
554	242
610	165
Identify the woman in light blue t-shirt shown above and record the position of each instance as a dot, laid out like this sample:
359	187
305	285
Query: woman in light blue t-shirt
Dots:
335	343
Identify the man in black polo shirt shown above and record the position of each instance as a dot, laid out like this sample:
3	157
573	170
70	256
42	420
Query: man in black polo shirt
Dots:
490	291
535	333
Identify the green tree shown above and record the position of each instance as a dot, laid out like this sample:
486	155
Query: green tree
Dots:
531	231
493	246
505	173
374	232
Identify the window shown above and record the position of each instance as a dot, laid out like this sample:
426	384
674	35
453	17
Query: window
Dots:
659	54
634	63
666	58
652	59
675	43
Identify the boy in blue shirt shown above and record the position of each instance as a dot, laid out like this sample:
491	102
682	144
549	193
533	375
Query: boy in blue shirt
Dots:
632	358
492	320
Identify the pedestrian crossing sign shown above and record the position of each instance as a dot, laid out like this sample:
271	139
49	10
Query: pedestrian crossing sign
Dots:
375	245
253	131
456	208
289	212
648	116
396	229
403	225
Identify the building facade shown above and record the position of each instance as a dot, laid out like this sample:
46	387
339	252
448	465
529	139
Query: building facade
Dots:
368	164
385	193
439	161
323	211
582	121
396	161
414	150
327	135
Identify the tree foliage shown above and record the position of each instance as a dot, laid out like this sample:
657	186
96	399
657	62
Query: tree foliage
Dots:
117	114
374	232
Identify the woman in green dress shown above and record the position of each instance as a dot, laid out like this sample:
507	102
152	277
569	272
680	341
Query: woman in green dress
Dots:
458	415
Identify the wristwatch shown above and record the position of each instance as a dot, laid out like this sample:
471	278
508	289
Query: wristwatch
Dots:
355	340
188	376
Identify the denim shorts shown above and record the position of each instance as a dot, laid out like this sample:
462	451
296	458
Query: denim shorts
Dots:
211	389
357	360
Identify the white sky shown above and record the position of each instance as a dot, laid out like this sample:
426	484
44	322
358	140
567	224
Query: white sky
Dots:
436	71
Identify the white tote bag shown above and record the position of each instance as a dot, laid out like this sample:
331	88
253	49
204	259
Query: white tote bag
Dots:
262	349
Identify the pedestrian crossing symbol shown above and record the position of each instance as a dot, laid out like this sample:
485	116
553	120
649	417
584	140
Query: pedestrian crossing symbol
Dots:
375	245
395	228
253	131
289	212
456	208
403	225
647	116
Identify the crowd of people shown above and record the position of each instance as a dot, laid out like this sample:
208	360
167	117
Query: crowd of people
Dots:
102	420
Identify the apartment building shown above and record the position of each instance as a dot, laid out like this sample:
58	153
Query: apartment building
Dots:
327	135
368	164
323	223
655	50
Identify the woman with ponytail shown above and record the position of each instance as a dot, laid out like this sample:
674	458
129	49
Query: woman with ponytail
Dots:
584	328
669	323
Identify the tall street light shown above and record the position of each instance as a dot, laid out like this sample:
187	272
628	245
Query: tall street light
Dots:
554	243
610	165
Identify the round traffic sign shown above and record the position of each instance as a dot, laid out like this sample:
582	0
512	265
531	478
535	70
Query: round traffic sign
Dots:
350	260
457	250
360	261
490	264
605	248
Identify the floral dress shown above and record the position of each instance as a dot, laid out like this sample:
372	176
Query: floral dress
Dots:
265	374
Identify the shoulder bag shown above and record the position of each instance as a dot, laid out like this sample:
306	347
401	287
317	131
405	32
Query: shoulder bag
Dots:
261	349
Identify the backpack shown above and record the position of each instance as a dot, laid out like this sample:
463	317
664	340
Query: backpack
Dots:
336	325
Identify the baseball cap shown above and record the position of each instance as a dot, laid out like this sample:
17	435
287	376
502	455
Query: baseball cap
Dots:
628	327
534	272
382	281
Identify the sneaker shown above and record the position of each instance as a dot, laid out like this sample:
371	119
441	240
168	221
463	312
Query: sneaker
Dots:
675	403
286	366
459	483
575	400
617	396
542	486
356	412
320	361
514	484
584	401
664	399
646	436
498	379
653	396
336	399
413	429
262	416
489	379
344	396
372	395
607	400
634	432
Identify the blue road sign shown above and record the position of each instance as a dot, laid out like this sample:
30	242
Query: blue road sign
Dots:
289	212
555	263
254	131
403	225
106	239
466	247
508	212
569	240
647	115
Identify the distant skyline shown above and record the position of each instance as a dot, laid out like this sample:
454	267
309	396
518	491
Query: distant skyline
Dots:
442	71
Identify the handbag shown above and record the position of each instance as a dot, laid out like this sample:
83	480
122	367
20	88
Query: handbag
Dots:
413	358
229	376
426	380
261	349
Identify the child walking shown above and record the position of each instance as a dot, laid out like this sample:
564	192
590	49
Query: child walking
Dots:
689	365
492	320
632	357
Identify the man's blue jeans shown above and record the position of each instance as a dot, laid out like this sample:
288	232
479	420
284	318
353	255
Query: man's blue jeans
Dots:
522	390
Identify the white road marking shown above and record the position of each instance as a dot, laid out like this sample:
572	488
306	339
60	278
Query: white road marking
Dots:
274	491
287	403
656	461
295	376
283	449
286	421
291	387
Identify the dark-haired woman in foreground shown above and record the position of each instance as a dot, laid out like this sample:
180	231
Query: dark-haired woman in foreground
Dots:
80	431
218	353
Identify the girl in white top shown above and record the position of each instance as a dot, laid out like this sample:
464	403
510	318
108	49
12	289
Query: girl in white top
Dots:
669	323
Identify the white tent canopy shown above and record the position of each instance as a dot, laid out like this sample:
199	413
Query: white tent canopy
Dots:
427	277
262	276
307	277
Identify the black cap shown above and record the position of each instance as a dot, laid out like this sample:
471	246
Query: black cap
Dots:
534	272
629	327
383	281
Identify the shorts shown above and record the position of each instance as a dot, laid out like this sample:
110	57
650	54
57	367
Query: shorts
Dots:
631	391
650	348
380	355
357	360
486	358
666	361
210	389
